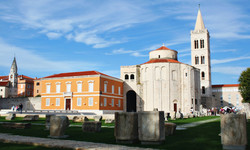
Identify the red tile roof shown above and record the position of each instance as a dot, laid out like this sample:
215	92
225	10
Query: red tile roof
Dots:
4	77
226	85
25	77
163	48
83	73
4	83
162	61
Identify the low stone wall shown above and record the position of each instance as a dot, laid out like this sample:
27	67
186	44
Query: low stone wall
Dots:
29	103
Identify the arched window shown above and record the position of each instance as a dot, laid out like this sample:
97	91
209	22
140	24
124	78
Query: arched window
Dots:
132	76
203	90
159	56
203	75
202	59
196	60
126	77
202	43
196	44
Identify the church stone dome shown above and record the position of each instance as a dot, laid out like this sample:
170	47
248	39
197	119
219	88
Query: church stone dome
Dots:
163	53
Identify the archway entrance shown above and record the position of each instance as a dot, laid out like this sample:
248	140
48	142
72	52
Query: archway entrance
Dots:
131	101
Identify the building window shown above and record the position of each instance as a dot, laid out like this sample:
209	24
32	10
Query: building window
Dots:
119	90
113	101
202	75
119	103
196	102
202	59
126	77
159	56
186	74
203	90
79	101
132	76
37	91
58	88
221	100
48	88
192	101
105	87
79	87
21	85
91	101
91	87
68	86
28	93
57	101
196	60
28	86
113	89
47	101
105	102
202	43
237	99
37	83
229	99
196	44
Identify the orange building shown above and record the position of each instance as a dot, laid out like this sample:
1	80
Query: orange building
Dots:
89	91
25	86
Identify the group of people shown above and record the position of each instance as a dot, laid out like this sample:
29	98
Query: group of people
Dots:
227	110
17	107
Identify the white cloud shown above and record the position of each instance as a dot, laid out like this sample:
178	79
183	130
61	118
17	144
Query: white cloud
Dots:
77	20
220	61
30	61
228	70
53	35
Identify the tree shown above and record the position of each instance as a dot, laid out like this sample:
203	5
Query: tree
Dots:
245	85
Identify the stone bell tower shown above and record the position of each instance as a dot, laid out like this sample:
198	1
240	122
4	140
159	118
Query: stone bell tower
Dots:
200	56
13	79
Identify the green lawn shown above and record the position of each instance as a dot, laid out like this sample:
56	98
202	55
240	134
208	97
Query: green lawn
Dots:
204	136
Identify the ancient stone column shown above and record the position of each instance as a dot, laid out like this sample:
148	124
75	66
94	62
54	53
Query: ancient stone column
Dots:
58	125
151	127
126	127
233	131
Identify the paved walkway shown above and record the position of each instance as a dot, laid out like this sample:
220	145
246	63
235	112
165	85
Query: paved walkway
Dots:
78	145
194	124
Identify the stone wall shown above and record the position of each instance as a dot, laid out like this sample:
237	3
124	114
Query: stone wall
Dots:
246	109
29	103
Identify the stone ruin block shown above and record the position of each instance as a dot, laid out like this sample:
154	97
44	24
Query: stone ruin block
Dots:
233	131
109	121
126	127
78	119
170	128
10	117
31	117
98	118
58	125
91	126
151	127
47	121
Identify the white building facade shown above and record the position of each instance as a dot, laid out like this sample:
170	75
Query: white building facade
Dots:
162	83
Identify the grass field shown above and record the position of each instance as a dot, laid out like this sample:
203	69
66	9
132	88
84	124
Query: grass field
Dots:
204	136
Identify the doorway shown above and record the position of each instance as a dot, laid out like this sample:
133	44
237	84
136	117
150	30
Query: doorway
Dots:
175	107
68	104
131	101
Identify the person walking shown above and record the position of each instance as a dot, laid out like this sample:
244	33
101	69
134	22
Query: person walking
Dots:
21	107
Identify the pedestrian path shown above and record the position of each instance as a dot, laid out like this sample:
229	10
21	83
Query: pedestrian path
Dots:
194	124
77	145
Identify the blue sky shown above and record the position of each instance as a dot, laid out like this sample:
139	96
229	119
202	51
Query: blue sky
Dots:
51	36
